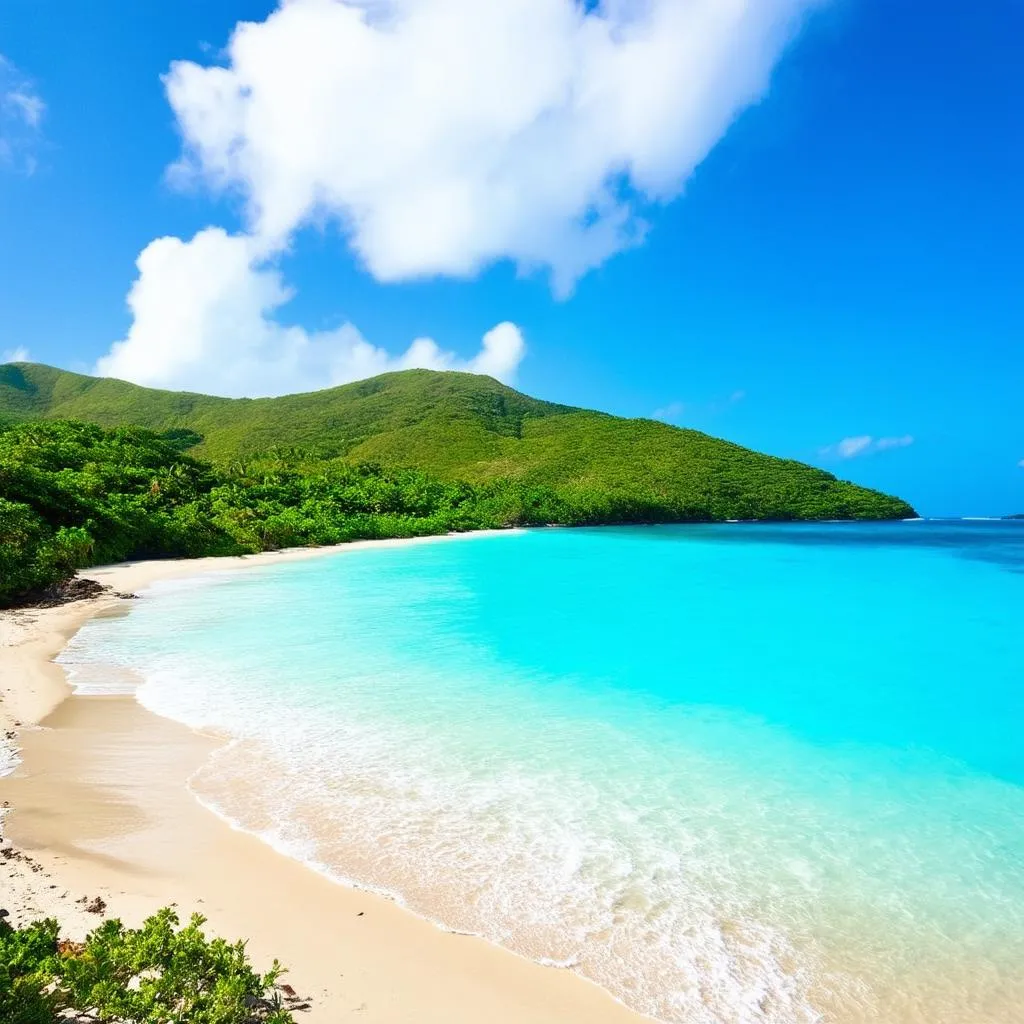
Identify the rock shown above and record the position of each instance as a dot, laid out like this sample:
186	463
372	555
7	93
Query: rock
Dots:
76	589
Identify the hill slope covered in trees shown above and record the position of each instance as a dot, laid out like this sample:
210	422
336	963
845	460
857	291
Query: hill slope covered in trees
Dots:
73	494
463	427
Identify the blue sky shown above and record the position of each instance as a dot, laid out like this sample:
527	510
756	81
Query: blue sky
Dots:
843	263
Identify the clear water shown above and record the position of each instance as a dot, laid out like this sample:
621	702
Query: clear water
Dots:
734	774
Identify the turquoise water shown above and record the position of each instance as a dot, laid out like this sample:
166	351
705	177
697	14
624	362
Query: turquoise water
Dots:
734	774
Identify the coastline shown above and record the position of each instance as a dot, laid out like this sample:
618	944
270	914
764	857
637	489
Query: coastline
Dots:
98	806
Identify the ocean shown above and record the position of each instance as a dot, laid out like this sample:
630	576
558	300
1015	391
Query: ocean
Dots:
735	774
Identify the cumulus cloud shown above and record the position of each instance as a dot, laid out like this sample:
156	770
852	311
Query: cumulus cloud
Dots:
203	319
864	444
14	355
443	135
21	114
440	136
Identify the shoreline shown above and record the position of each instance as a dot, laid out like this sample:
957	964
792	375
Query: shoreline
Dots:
32	684
97	804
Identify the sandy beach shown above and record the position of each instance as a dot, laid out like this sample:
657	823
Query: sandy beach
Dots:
98	807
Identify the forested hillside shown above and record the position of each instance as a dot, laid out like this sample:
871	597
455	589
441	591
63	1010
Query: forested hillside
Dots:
74	494
467	428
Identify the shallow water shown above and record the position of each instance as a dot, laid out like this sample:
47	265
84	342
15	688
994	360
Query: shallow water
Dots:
734	774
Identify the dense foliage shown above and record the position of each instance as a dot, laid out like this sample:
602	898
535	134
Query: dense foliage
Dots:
156	974
466	427
73	495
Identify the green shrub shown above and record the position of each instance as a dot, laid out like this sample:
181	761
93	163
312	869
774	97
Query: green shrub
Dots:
156	974
27	967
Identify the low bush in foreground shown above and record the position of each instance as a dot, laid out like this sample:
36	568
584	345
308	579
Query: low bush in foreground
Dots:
157	974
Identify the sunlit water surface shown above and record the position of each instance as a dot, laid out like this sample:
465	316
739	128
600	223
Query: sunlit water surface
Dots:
733	774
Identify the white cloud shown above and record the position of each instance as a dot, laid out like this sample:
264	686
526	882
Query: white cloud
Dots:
21	113
502	351
864	444
440	136
444	135
850	447
15	355
904	441
203	319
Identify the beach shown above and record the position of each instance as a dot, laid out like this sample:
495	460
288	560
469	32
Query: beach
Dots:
99	822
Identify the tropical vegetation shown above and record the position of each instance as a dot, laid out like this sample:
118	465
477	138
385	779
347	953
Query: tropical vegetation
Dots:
75	494
158	473
453	426
157	974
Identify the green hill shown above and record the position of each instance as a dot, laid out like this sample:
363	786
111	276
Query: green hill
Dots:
457	426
